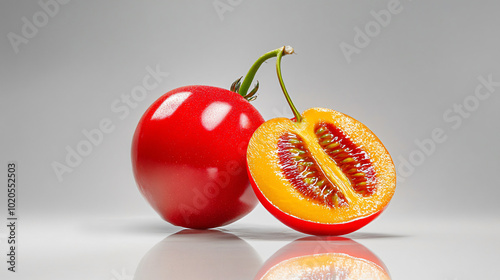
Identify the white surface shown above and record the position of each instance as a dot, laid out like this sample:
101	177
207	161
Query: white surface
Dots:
112	248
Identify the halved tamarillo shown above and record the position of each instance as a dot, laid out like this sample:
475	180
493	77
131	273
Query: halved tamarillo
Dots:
321	173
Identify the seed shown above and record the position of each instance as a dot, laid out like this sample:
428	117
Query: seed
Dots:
347	160
295	141
326	142
333	145
297	151
305	163
326	135
362	184
359	174
335	199
321	130
309	180
320	183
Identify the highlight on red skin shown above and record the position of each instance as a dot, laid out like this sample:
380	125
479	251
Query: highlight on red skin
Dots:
189	156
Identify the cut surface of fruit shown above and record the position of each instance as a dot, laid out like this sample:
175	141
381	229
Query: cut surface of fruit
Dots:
328	168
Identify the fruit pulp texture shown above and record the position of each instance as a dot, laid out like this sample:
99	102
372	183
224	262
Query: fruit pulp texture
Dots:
307	176
328	169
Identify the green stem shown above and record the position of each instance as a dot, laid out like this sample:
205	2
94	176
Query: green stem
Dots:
298	117
245	85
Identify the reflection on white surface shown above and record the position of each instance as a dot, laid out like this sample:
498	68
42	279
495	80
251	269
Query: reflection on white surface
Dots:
212	254
214	114
334	258
199	254
170	105
117	248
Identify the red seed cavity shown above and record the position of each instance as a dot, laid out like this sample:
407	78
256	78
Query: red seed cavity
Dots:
305	174
351	159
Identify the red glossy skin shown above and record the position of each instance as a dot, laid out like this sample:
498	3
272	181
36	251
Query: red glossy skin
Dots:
189	156
309	227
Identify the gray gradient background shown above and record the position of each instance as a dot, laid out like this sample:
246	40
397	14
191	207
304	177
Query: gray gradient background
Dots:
426	60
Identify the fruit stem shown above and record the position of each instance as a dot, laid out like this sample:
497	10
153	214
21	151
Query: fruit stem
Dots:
247	81
283	50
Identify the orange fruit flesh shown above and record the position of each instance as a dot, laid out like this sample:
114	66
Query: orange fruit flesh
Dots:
326	266
307	173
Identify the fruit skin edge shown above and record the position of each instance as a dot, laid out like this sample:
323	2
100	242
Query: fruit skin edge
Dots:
309	227
208	219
